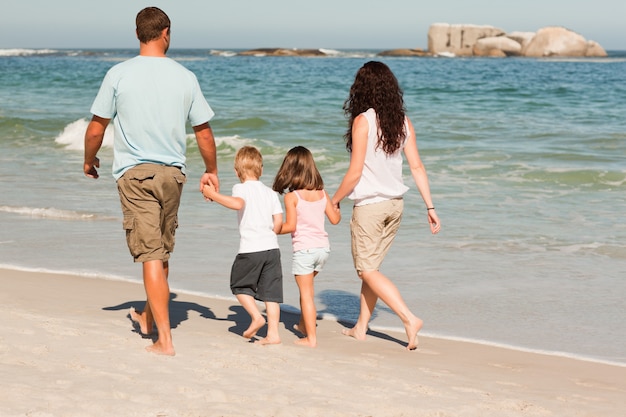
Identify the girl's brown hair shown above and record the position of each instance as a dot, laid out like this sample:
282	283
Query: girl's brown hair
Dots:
298	172
376	87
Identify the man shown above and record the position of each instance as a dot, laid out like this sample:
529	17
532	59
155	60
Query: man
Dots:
150	98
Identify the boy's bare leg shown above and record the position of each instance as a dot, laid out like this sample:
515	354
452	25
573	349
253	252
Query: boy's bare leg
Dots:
273	317
249	304
158	292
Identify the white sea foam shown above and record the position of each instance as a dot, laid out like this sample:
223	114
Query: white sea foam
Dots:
53	213
73	136
26	52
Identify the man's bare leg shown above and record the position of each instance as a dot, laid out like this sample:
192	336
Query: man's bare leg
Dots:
144	318
249	304
273	317
158	292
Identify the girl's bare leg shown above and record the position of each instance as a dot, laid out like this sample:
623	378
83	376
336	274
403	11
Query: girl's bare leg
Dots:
308	318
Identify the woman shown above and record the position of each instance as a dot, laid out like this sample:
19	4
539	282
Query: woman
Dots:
379	131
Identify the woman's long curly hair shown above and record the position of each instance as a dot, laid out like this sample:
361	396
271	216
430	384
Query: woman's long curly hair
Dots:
375	86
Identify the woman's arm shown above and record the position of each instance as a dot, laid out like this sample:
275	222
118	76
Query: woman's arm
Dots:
360	129
418	171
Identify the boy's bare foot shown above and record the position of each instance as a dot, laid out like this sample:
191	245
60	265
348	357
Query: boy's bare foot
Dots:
412	329
140	320
254	327
268	341
305	341
159	349
354	332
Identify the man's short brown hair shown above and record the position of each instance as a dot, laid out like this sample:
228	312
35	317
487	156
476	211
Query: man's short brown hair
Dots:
150	23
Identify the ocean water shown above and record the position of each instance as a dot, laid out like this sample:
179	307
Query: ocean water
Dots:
526	161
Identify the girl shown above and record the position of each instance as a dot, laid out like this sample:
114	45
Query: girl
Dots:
306	203
378	132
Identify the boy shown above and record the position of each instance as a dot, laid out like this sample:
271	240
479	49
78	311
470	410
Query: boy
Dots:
257	271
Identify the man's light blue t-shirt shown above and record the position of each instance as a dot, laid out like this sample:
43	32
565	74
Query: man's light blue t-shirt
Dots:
150	100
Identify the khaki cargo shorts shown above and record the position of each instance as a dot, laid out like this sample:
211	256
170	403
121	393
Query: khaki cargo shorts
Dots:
150	196
373	228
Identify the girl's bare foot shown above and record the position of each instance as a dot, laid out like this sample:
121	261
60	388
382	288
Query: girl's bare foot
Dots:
412	329
354	332
140	320
300	328
305	341
254	327
268	341
159	349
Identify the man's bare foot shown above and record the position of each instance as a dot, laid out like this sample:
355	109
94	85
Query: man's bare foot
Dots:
268	341
140	320
159	349
305	341
354	332
254	327
412	329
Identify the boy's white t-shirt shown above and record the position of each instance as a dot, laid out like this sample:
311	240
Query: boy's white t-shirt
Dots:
256	222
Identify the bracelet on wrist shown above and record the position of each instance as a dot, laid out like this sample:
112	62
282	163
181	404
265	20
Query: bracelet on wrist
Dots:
429	208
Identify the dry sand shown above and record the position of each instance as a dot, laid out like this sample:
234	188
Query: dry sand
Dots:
68	348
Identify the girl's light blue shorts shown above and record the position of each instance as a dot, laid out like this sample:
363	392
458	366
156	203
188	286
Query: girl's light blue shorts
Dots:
307	261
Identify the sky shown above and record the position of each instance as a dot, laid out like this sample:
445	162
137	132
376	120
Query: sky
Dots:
332	24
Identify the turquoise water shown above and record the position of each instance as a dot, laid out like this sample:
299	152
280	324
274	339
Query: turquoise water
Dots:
526	159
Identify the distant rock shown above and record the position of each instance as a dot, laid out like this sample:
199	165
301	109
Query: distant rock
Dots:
497	46
282	52
458	39
559	41
472	40
404	52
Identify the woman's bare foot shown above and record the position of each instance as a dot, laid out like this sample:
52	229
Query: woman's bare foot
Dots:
354	332
140	320
159	349
412	329
305	341
254	327
268	341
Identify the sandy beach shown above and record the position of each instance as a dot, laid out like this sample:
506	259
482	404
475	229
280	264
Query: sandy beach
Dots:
68	348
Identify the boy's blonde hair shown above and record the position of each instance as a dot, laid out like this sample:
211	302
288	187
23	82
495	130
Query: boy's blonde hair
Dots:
248	162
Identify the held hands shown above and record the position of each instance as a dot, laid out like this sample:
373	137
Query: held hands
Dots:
209	183
209	190
89	168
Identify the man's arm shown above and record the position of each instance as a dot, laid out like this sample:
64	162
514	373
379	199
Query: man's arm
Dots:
206	145
93	141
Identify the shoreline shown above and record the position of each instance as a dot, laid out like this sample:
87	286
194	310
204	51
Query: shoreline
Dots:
68	348
290	309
